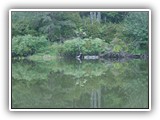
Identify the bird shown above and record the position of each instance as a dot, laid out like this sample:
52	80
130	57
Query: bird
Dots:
79	56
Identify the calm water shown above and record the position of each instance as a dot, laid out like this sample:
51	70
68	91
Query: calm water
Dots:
71	84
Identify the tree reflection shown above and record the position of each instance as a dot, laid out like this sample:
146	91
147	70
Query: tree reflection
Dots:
91	84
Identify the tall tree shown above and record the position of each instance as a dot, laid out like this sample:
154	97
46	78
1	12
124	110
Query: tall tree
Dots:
136	29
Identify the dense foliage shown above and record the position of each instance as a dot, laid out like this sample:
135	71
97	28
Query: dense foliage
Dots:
85	46
56	25
137	30
27	45
74	32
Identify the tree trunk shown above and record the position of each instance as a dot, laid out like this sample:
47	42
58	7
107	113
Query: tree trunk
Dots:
105	19
92	94
83	22
91	17
99	17
99	97
94	16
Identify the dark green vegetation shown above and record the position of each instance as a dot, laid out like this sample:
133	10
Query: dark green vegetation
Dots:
69	33
68	84
46	73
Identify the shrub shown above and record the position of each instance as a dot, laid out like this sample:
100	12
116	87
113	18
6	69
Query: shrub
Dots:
111	30
107	31
87	46
117	45
93	30
27	45
94	46
70	47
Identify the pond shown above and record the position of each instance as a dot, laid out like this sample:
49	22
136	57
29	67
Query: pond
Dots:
63	83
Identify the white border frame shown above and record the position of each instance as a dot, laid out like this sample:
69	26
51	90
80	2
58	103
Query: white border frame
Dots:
129	109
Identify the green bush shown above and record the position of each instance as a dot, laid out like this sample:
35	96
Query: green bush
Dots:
136	29
93	30
107	31
111	30
117	45
109	26
27	45
94	46
87	46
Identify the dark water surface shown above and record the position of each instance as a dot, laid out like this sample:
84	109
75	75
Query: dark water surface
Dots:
71	84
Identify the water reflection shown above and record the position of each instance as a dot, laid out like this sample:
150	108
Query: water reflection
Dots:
89	84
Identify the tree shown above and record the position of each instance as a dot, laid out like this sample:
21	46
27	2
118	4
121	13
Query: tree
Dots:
136	29
56	26
113	16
